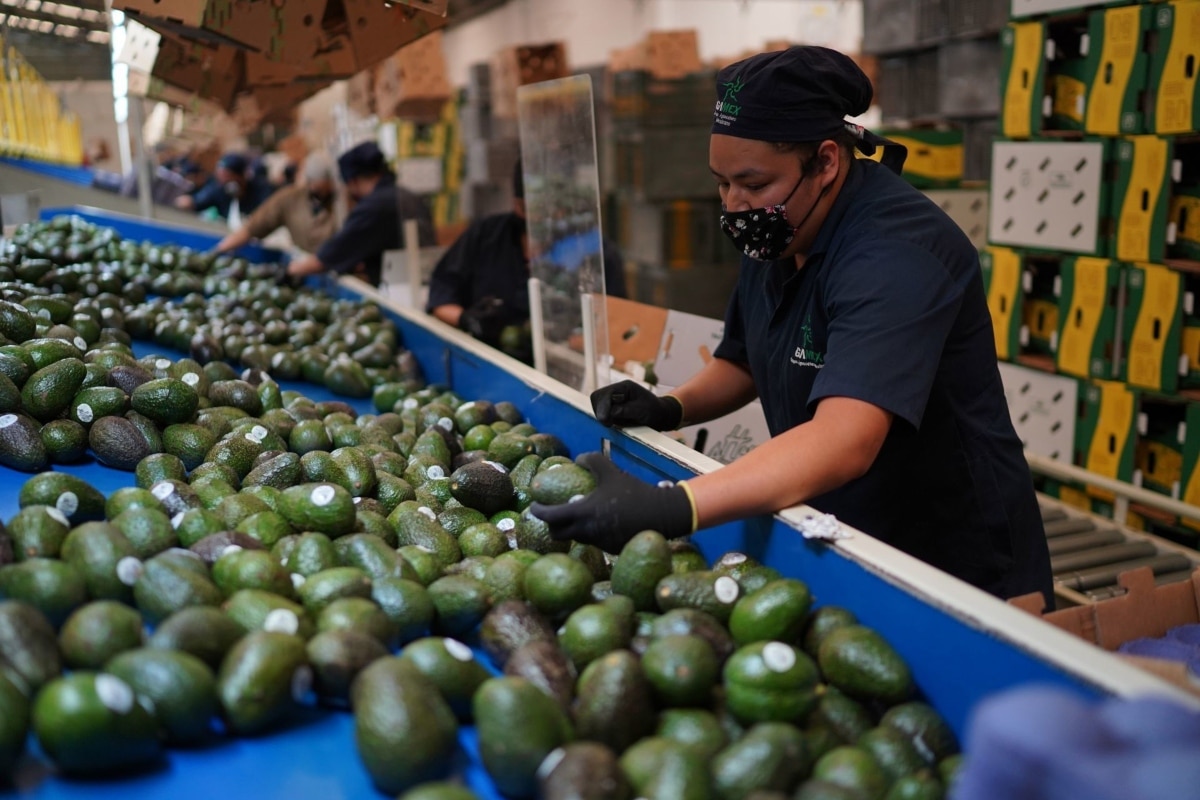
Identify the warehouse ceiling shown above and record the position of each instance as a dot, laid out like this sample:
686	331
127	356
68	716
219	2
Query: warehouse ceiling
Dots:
63	41
69	41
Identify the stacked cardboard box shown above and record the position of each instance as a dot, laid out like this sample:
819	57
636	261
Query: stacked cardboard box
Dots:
1093	267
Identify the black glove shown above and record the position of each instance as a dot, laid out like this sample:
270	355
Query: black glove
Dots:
628	403
484	319
619	508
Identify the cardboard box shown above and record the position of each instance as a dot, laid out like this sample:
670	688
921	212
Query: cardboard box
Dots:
1088	291
333	61
377	30
1002	279
514	67
672	54
935	157
1106	431
1144	611
1174	102
424	87
1154	325
288	32
213	73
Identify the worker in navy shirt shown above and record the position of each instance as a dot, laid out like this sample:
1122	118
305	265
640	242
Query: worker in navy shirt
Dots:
860	322
376	223
234	179
481	283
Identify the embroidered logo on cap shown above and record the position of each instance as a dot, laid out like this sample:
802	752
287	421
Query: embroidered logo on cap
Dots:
727	108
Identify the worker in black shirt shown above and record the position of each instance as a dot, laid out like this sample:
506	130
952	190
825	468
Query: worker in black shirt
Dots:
376	223
481	283
861	323
235	179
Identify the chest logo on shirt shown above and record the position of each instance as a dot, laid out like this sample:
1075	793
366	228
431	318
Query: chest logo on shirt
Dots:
806	355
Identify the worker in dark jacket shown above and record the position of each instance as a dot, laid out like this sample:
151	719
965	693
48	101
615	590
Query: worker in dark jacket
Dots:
375	225
235	179
481	283
861	323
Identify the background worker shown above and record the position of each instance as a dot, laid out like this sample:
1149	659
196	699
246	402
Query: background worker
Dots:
234	179
374	225
306	211
481	284
861	323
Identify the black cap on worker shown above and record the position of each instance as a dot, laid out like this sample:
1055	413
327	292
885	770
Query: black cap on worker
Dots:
363	159
802	94
234	162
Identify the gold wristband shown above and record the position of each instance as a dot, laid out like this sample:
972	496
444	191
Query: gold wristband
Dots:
692	502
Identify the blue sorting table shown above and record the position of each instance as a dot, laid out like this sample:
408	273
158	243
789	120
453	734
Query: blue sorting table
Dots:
961	644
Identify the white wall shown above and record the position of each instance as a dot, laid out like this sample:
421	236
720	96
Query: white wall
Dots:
594	28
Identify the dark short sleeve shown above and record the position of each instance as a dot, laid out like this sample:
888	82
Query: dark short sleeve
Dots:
890	308
733	343
212	195
451	281
368	231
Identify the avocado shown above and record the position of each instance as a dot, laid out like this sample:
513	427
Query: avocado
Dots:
417	528
511	625
583	771
407	604
861	663
182	688
312	553
854	769
202	631
281	472
357	470
21	445
265	527
894	752
706	591
159	467
38	532
533	534
592	631
509	448
546	666
239	569
843	715
118	443
14	725
149	530
16	322
424	561
518	727
256	609
460	602
679	774
322	588
49	391
212	547
167	585
405	732
337	657
260	680
644	561
777	611
237	394
615	704
373	556
561	484
97	632
919	786
682	670
29	654
695	728
925	728
770	682
484	486
822	622
65	441
74	497
557	584
89	723
95	402
451	667
105	558
53	587
360	615
320	507
690	621
188	442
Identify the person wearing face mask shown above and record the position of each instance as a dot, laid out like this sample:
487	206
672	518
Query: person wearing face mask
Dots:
306	211
234	179
481	284
861	324
375	224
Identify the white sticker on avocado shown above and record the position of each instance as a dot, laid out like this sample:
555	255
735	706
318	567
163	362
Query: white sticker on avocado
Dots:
459	650
6	420
114	693
177	520
555	466
129	569
498	467
425	549
183	551
162	490
427	511
411	403
550	763
162	363
435	472
511	536
575	498
259	432
84	413
357	500
446	424
93	288
191	379
726	589
467	406
231	548
298	580
507	524
778	656
67	503
733	559
57	516
302	682
322	495
277	359
106	312
282	620
80	343
44	313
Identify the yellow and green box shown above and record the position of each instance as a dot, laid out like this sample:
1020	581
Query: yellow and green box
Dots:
1155	323
1040	311
1161	437
1174	99
1184	223
1088	292
1095	81
1141	198
935	156
1190	473
1002	269
1106	431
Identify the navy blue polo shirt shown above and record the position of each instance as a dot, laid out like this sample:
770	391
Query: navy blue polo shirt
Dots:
376	224
890	309
213	195
488	260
